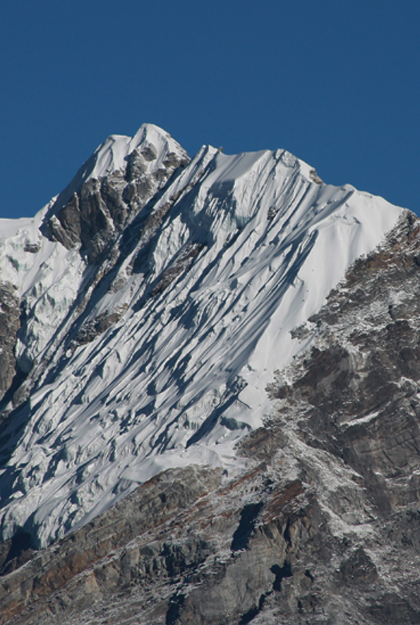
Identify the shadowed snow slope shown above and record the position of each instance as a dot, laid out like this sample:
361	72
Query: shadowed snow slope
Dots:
157	353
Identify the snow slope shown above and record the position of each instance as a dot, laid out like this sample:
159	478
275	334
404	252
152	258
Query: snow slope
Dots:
248	250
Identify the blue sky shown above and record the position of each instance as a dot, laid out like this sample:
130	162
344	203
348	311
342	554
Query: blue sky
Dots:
335	83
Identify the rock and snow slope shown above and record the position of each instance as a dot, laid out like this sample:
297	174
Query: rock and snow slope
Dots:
320	527
158	296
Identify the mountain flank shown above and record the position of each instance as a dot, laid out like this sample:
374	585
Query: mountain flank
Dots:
211	396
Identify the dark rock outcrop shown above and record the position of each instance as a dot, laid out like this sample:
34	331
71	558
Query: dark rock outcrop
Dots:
9	326
94	216
91	330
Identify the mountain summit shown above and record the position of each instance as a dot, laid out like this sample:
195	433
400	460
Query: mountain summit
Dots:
153	316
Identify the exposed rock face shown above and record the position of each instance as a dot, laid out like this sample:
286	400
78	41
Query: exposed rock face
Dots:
358	387
180	548
9	325
95	215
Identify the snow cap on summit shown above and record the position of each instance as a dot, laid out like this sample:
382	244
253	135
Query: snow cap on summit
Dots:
111	156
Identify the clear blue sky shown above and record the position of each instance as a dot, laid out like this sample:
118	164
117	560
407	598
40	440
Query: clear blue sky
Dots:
335	83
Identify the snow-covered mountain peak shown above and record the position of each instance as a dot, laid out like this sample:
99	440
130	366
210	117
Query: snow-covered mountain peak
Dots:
154	144
155	310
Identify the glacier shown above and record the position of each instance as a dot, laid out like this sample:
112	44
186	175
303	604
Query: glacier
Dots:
158	354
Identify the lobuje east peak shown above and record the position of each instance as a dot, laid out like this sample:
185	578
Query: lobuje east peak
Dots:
157	296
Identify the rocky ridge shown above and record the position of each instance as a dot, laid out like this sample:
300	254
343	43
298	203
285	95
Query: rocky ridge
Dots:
9	326
89	216
98	211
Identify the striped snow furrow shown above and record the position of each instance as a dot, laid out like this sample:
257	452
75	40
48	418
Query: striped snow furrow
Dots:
182	375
